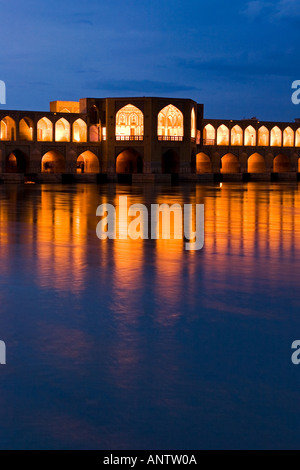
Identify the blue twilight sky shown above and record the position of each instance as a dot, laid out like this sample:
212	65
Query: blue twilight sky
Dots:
238	58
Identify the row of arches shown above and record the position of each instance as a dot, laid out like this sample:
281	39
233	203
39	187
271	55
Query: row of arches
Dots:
256	163
46	131
250	137
53	162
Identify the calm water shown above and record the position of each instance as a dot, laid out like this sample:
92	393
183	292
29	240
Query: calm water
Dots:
143	345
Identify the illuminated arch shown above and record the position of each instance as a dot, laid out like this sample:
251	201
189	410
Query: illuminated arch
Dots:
8	129
250	136
62	130
26	126
129	123
44	130
297	138
53	162
129	161
79	131
223	135
16	162
170	123
256	163
263	136
230	164
276	137
237	135
209	135
88	162
203	163
288	137
281	164
193	124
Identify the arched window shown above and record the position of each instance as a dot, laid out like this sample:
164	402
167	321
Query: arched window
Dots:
62	130
193	124
298	138
44	130
170	124
263	137
26	129
8	129
209	135
79	131
223	135
250	136
276	137
288	137
236	135
129	123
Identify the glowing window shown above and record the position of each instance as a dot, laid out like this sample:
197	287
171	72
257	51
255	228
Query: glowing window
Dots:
129	123
44	130
170	123
236	135
79	131
298	138
62	130
276	137
193	124
250	136
223	135
263	136
288	137
209	135
8	129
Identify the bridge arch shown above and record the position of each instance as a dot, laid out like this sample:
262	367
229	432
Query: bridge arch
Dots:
16	162
129	161
276	137
203	163
88	162
263	137
222	135
129	123
62	130
193	124
170	123
237	135
288	137
79	131
250	136
44	130
281	164
53	162
170	162
256	163
26	126
230	164
8	129
297	142
209	135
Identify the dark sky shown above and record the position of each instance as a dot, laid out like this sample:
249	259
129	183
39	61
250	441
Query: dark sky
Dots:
238	58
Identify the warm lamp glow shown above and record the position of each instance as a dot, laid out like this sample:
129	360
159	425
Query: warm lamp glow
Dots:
129	123
170	123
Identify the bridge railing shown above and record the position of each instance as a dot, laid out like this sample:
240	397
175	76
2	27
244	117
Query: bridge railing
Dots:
130	137
209	141
170	138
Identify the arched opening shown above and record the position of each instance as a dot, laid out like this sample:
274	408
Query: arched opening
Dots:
129	123
53	162
170	124
193	124
236	135
276	137
281	164
288	137
26	129
16	162
8	129
250	136
88	162
94	115
209	135
263	137
94	133
79	131
170	162
44	130
203	163
230	164
128	162
297	138
256	164
62	130
223	135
